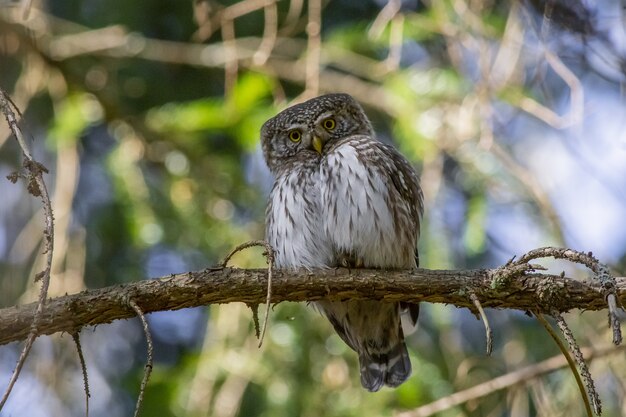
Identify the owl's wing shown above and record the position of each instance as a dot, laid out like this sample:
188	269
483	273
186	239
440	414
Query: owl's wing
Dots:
372	202
406	183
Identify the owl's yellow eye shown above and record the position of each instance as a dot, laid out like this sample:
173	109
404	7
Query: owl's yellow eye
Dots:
329	124
295	136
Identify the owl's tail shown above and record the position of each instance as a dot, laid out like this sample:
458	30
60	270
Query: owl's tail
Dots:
391	368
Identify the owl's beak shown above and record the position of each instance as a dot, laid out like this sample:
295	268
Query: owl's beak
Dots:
318	144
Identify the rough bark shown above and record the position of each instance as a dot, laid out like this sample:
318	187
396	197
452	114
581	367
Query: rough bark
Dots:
539	292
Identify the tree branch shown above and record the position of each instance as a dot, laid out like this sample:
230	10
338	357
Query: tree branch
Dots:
531	291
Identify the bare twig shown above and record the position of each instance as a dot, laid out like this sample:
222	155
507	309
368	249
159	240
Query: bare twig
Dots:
577	99
83	367
569	359
231	64
614	322
293	16
580	360
6	105
314	45
20	363
388	15
396	37
124	45
385	15
506	59
270	29
534	187
269	253
26	5
232	12
255	319
148	368
37	187
575	114
546	19
270	267
602	275
241	247
504	381
483	316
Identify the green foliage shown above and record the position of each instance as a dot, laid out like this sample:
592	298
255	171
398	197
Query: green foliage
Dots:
475	238
240	116
75	113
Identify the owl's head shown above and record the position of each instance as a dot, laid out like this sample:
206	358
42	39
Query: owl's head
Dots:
302	131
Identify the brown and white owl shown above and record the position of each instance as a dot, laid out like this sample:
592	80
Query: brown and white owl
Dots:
342	198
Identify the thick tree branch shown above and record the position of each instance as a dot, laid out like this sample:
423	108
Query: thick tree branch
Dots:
532	291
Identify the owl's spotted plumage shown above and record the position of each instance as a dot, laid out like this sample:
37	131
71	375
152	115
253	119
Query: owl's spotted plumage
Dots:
342	198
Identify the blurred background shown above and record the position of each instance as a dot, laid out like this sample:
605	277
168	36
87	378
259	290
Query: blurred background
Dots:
148	114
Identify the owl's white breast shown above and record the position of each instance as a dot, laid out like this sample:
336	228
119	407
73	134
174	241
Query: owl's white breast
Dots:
293	221
364	215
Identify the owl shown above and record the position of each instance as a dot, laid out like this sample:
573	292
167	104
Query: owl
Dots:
343	198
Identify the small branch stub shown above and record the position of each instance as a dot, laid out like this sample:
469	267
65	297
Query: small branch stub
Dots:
37	187
570	361
602	275
483	316
614	322
148	367
83	367
269	254
580	361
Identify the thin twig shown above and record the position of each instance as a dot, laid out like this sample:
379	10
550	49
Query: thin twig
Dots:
255	319
569	359
314	45
396	38
36	187
580	360
269	253
241	247
270	30
575	114
390	16
223	14
559	253
270	257
148	367
231	64
6	104
510	379
26	5
534	187
483	316
546	19
213	56
386	14
83	367
614	322
602	274
20	363
293	17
